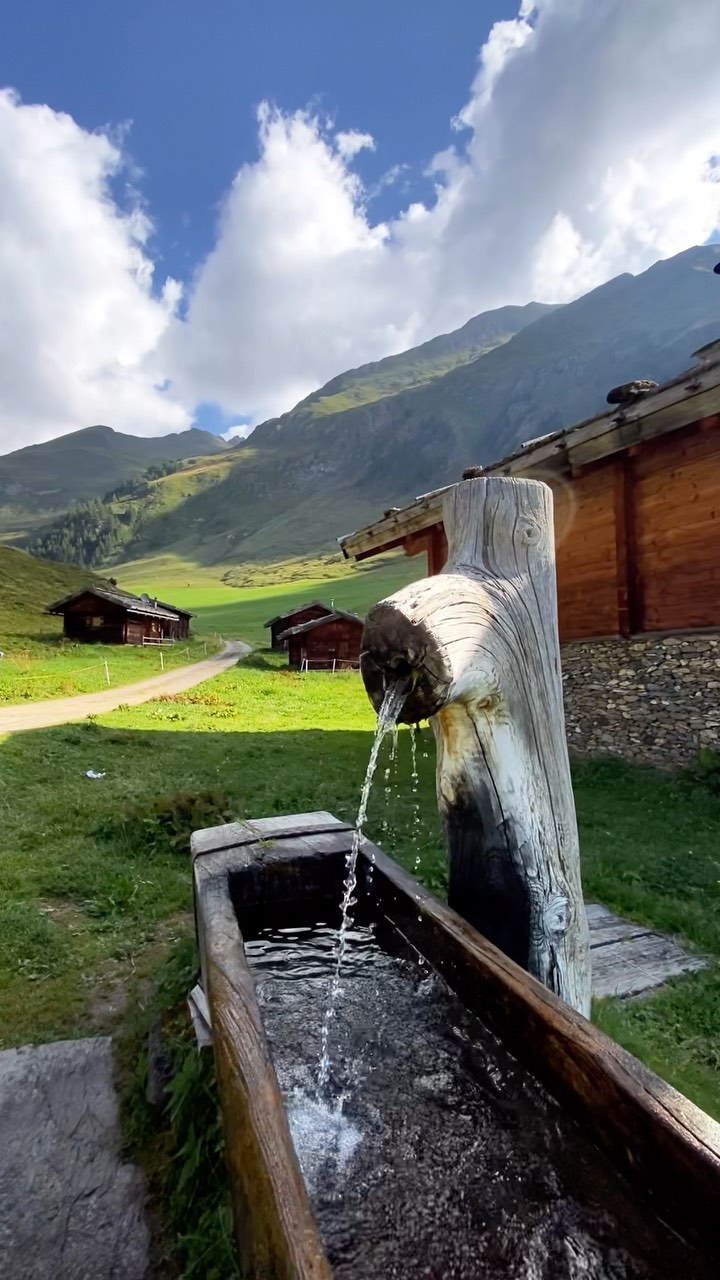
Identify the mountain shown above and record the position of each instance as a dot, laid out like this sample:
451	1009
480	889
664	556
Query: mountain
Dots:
421	365
328	466
43	480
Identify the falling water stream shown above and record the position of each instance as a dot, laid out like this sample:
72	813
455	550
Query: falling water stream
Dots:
427	1151
387	719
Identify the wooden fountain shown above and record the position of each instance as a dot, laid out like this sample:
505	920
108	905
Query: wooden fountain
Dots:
477	649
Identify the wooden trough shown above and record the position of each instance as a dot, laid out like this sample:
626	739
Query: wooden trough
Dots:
666	1152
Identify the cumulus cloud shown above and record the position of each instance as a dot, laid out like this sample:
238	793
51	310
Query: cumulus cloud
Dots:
586	147
78	318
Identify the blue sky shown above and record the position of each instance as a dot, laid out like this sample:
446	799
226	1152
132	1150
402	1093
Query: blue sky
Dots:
208	211
189	76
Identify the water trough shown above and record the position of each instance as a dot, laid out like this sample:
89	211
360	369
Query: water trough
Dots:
488	1129
450	1113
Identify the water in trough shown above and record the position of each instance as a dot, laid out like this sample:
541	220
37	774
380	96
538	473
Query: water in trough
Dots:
428	1152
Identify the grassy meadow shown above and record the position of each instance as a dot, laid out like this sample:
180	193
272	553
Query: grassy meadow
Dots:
239	612
38	663
95	878
95	889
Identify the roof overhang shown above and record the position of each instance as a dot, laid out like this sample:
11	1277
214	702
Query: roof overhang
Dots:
692	397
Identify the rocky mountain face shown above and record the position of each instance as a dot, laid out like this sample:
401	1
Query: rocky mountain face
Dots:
381	434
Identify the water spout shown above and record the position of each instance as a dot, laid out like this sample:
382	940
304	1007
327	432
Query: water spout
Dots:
477	650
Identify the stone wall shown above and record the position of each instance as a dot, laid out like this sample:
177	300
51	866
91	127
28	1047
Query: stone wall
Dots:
651	699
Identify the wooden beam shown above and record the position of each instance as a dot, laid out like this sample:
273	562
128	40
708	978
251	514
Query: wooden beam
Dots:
478	646
437	549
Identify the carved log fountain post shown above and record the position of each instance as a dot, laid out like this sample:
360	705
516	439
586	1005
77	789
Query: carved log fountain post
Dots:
478	648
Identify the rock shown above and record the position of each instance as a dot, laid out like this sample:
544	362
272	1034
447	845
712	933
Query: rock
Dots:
70	1207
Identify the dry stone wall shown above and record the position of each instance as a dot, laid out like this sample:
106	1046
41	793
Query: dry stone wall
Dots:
654	699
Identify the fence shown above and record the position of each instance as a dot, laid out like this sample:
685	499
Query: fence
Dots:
323	664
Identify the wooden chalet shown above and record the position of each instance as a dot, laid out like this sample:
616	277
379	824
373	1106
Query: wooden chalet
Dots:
107	615
283	622
637	510
325	643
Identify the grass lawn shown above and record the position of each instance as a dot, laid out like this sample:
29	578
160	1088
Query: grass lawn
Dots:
240	612
95	879
61	670
38	663
95	891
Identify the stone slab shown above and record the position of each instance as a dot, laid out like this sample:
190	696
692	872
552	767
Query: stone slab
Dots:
70	1207
630	959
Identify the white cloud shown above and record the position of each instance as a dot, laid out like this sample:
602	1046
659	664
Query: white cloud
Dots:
240	431
584	150
78	320
353	141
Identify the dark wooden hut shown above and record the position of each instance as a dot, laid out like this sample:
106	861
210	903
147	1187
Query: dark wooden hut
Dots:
109	616
326	643
283	622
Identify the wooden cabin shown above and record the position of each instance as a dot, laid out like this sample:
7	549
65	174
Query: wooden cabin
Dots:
326	643
637	511
107	615
283	622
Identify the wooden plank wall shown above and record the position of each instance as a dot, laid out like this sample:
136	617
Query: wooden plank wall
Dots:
637	538
585	539
676	500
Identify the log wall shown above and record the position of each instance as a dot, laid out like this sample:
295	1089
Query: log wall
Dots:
637	538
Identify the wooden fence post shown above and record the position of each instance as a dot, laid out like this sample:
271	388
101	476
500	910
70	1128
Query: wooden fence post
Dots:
477	647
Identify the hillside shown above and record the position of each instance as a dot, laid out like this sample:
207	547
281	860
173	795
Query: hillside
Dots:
28	587
43	480
319	471
421	365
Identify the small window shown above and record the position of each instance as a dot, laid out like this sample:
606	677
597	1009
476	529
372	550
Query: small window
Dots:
94	622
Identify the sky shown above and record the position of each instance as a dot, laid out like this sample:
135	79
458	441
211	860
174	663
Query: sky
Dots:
208	211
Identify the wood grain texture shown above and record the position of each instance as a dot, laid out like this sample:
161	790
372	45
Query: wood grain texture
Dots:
277	1237
677	505
479	646
667	1147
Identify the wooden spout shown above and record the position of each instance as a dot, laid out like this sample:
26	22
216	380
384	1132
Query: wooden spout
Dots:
477	646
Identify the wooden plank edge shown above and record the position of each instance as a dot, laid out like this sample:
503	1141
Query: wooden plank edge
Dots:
275	1228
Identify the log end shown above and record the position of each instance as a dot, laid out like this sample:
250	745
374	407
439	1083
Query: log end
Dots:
397	651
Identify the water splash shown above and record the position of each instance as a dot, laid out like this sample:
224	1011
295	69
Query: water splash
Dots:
323	1137
387	718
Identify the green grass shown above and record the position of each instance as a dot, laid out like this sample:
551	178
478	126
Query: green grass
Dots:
39	663
63	669
96	891
95	873
241	612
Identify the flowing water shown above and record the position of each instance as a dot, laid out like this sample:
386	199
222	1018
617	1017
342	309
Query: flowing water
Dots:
387	719
415	783
437	1157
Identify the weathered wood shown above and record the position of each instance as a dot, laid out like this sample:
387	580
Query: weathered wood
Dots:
632	965
276	1233
668	1150
478	646
668	1147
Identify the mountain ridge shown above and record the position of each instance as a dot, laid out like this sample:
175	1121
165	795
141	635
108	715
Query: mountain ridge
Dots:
302	479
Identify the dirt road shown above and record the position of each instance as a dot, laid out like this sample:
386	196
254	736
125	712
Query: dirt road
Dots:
41	715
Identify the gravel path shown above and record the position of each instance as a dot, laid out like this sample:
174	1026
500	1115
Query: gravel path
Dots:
41	715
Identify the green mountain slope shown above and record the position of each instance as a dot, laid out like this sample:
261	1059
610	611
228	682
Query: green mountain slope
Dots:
44	479
420	365
28	587
319	471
